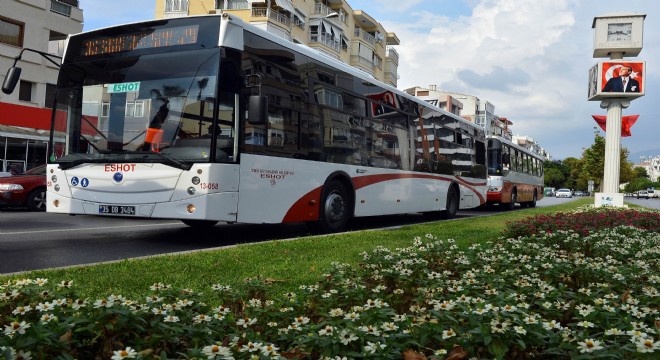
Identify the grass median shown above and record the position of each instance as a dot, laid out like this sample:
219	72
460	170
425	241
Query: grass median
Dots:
286	264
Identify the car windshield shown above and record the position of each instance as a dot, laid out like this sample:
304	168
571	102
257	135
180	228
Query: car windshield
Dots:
149	108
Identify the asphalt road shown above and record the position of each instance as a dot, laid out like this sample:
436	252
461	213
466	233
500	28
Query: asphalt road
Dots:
32	241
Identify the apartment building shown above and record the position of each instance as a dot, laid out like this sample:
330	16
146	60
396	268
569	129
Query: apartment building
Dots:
330	26
478	111
652	166
25	114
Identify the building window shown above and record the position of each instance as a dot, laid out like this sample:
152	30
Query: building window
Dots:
11	32
134	109
25	91
176	5
60	8
50	95
105	109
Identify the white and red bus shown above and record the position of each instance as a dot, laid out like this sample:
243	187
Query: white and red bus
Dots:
208	119
515	174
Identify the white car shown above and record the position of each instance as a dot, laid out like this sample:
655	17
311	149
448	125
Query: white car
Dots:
564	193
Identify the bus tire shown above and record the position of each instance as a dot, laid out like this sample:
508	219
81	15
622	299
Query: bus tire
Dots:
335	208
200	224
514	197
534	200
452	204
36	200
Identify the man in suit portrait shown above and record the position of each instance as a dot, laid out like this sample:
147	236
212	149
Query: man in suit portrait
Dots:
623	82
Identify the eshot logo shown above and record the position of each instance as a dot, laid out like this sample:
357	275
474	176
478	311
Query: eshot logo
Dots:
124	87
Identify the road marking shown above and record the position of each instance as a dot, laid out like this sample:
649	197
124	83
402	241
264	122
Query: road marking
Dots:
89	229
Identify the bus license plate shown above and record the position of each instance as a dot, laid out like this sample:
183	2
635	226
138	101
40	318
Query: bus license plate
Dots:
117	209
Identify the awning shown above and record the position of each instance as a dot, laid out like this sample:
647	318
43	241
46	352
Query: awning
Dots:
285	4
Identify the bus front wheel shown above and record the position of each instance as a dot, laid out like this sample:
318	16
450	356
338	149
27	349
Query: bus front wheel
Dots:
334	212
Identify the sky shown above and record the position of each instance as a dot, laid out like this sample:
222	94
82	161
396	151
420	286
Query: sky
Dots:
529	58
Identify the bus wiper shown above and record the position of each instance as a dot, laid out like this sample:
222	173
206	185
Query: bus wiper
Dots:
172	161
74	163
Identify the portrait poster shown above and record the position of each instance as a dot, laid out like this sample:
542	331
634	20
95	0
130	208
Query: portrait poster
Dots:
617	79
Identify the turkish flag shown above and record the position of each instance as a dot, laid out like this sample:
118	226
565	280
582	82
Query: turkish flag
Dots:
626	123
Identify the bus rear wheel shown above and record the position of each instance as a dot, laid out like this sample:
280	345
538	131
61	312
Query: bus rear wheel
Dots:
514	199
200	224
452	204
534	200
334	212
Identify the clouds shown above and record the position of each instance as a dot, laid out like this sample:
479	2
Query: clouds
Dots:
529	58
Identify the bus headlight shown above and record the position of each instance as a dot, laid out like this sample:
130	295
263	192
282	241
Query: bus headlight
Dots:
57	187
195	180
191	191
191	208
53	178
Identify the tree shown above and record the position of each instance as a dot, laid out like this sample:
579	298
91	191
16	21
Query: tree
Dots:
553	178
593	163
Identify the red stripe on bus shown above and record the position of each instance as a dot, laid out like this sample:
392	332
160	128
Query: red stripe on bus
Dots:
305	209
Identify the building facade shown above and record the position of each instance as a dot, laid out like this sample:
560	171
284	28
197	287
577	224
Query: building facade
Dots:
25	113
481	112
652	166
330	26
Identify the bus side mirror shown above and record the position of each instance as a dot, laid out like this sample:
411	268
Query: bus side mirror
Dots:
258	109
13	74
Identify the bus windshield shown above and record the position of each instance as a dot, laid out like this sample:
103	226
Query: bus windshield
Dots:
148	108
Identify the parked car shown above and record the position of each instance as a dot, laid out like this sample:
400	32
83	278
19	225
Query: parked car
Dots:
28	189
642	194
564	193
653	193
580	193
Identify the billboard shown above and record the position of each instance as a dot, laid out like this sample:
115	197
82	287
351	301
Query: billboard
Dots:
617	79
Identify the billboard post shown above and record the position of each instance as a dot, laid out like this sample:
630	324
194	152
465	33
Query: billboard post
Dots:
615	83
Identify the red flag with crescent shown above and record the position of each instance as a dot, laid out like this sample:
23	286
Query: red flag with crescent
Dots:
626	123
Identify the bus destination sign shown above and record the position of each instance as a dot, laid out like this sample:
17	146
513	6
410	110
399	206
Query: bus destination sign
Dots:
148	39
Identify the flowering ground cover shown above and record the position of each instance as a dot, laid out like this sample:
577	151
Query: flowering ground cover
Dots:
551	293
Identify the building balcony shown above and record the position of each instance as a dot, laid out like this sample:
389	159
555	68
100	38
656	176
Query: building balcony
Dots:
392	55
322	10
326	40
361	63
365	37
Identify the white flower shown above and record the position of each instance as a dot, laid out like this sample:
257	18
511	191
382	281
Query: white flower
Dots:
212	351
171	318
245	322
446	334
269	350
647	345
16	327
326	331
251	347
371	348
127	353
589	345
345	337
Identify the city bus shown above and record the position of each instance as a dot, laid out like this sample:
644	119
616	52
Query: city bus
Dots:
209	119
515	174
